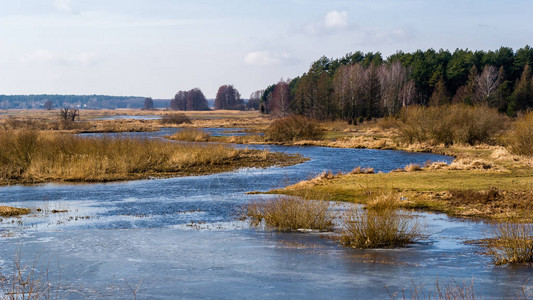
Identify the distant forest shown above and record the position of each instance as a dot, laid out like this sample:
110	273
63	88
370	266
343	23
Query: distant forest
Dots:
361	86
76	101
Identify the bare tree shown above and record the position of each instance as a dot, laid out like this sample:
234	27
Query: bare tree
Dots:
69	114
487	84
280	102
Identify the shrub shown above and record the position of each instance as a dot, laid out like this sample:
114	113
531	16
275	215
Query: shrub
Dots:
191	135
293	128
513	243
175	119
450	124
379	228
287	213
520	139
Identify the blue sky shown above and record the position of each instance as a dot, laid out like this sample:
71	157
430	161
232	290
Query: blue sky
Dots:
157	47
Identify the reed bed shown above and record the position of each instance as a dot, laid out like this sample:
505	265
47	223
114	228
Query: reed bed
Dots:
286	213
380	225
513	243
30	156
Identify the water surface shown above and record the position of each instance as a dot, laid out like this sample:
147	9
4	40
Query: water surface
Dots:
183	239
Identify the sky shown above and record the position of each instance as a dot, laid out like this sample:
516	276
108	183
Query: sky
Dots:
154	48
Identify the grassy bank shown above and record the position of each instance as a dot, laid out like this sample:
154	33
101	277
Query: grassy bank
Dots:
33	157
476	185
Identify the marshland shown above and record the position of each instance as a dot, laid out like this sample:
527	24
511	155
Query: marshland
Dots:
289	149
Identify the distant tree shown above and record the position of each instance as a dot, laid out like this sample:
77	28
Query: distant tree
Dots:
487	85
195	100
148	104
69	114
189	100
522	96
465	93
280	102
440	94
179	101
372	93
255	100
228	98
48	105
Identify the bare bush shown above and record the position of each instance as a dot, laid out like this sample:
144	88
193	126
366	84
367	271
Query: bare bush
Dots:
450	124
176	119
520	139
293	128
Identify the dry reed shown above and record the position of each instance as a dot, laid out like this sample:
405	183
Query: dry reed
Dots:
286	213
513	243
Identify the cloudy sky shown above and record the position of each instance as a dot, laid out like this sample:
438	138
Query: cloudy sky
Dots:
157	47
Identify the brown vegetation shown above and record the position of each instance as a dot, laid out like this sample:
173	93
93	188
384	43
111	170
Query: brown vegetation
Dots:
191	135
293	128
31	157
381	225
175	119
450	124
520	139
286	213
513	243
8	211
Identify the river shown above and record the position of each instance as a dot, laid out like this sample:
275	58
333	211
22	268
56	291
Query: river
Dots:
181	238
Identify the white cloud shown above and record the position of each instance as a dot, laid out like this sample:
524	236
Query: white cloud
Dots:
335	19
265	58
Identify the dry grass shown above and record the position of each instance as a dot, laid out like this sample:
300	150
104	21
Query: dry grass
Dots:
287	213
453	124
30	156
29	281
360	170
8	211
379	228
191	135
293	128
443	291
513	243
520	139
175	119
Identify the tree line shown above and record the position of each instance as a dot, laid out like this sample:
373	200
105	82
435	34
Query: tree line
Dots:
362	86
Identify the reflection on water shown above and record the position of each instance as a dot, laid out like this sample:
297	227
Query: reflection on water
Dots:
182	238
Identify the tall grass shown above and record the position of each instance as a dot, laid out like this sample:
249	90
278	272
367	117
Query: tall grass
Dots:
380	225
513	243
293	128
32	156
286	213
450	124
191	135
520	139
365	229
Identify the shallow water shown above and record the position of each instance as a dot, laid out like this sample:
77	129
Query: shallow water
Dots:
182	238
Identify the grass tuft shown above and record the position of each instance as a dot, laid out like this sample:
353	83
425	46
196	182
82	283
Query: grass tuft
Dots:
381	225
513	243
286	213
191	135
